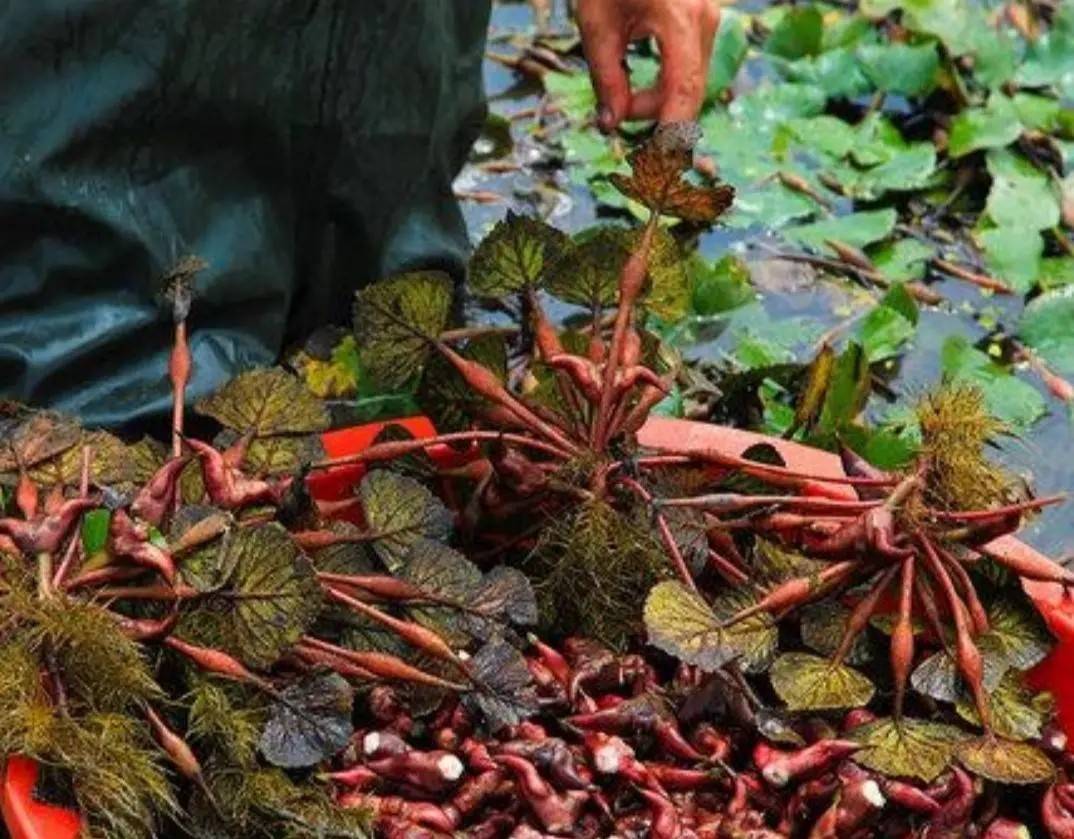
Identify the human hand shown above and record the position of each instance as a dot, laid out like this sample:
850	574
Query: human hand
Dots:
684	31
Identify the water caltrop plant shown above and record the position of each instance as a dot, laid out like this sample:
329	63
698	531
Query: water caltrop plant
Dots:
191	644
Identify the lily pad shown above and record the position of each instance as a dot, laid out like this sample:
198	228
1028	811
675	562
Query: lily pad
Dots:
990	127
1048	327
857	229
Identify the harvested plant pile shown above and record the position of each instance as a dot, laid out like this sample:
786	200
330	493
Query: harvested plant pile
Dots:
833	657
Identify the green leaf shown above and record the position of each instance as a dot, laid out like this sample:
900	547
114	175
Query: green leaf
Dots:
1056	272
309	723
444	394
1017	712
825	134
573	92
1021	196
995	57
1048	60
667	294
823	625
266	401
901	68
993	126
1013	255
903	260
514	256
395	318
814	390
719	286
1005	761
1009	399
95	526
1017	634
907	748
267	599
1047	326
681	624
836	73
504	692
587	274
774	564
906	170
938	676
399	511
728	53
887	328
1040	113
798	33
470	603
811	683
850	386
281	455
857	229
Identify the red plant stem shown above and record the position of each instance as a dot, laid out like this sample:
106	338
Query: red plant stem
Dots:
150	592
179	371
967	656
84	474
552	659
399	448
780	768
344	668
70	555
108	574
1034	567
648	398
383	665
928	606
481	380
978	615
729	502
145	629
218	663
631	282
909	797
726	568
414	634
902	636
383	587
176	748
666	536
793	477
797	591
859	617
998	512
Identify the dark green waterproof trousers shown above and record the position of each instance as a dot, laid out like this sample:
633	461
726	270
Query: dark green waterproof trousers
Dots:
300	147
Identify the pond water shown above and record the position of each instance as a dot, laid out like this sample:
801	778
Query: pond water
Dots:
1044	454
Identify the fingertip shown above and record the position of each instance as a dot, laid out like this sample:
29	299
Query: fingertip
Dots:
606	119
